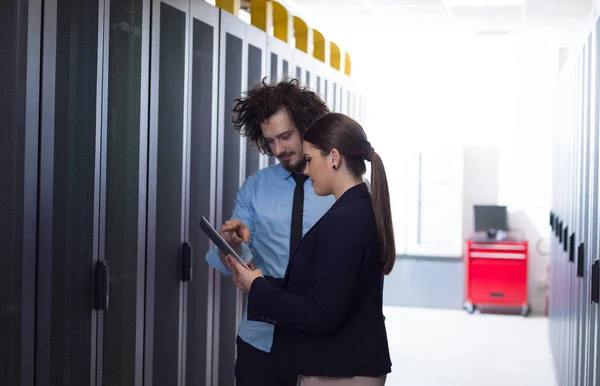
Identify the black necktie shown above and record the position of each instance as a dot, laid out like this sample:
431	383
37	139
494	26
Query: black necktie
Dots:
297	210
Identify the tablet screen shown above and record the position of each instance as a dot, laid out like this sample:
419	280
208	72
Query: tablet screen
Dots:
216	238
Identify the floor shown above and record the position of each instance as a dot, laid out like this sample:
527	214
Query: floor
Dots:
437	347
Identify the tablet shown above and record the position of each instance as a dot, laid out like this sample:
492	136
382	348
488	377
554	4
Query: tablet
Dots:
219	241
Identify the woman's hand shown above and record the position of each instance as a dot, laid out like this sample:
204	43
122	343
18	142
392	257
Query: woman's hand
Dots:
242	278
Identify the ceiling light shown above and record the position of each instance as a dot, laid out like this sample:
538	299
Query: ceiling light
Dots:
483	3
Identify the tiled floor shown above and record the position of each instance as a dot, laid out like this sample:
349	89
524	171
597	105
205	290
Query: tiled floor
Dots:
434	347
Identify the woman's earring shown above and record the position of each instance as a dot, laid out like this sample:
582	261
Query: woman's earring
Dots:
334	167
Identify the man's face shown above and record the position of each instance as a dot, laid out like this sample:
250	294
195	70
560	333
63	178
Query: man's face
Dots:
284	140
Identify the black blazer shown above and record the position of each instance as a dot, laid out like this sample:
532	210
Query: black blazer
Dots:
327	310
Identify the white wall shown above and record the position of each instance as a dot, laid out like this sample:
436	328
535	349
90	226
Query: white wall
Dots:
432	89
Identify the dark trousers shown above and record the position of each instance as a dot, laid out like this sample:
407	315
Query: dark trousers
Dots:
254	367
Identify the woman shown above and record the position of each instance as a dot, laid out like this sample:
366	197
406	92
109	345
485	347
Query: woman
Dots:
327	310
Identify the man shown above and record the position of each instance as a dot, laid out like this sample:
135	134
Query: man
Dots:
273	209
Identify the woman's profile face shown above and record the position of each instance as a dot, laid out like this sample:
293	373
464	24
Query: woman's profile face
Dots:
318	169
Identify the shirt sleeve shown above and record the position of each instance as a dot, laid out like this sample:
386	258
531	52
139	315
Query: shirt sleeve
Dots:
243	210
322	310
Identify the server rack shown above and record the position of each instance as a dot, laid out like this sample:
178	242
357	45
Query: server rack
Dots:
279	57
256	72
69	194
594	224
167	244
304	65
232	81
574	271
202	153
20	40
590	207
119	111
123	174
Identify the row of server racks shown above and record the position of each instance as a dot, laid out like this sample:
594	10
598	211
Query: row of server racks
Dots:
574	266
115	138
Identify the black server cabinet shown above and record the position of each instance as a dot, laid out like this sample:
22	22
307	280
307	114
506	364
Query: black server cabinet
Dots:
167	246
230	166
202	189
256	40
20	39
123	183
69	193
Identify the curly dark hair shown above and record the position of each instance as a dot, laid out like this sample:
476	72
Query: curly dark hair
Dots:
264	100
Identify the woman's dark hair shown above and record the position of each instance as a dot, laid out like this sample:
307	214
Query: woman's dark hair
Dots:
264	100
338	131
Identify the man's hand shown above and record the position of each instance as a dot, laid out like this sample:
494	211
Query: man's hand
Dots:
242	278
234	232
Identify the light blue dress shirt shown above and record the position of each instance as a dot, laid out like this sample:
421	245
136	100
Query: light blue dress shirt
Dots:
264	205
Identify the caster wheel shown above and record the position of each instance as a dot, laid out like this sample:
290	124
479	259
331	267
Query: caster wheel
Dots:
469	307
525	310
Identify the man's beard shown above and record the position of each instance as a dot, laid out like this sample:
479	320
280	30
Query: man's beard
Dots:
297	167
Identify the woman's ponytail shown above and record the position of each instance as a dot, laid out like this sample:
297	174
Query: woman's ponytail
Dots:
380	197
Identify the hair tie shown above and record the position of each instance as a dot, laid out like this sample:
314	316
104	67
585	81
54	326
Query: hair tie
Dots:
370	155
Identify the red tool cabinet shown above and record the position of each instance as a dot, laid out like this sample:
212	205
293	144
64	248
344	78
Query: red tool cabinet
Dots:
496	274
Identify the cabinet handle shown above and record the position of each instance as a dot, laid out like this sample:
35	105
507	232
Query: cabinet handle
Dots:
565	238
552	219
556	226
572	248
560	232
595	281
580	252
186	262
101	286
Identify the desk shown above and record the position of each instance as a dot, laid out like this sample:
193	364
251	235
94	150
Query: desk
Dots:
496	274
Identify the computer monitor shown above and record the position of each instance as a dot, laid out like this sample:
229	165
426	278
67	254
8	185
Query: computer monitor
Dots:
490	218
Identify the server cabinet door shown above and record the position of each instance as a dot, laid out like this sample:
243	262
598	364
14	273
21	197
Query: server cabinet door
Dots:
585	271
202	185
123	190
279	56
230	166
348	103
593	217
257	41
326	92
166	207
319	86
69	193
20	37
335	98
351	95
571	303
582	216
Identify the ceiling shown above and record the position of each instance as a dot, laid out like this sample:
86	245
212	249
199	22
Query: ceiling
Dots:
557	17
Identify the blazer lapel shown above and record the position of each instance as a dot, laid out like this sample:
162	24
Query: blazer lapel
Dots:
352	194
